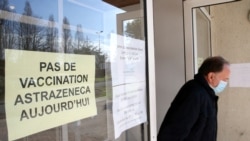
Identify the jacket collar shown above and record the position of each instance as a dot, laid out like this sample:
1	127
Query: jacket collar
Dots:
201	79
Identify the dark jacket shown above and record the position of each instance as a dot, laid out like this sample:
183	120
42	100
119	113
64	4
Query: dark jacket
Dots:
192	115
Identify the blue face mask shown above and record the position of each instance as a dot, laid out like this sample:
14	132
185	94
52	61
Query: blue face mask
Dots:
221	86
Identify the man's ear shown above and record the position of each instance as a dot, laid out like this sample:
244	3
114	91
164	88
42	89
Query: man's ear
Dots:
210	77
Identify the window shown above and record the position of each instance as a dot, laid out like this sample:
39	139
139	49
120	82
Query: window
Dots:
67	73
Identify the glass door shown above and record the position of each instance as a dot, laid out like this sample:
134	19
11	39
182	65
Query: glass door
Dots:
66	74
202	35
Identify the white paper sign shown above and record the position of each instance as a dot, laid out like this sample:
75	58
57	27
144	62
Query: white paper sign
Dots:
240	75
128	82
129	107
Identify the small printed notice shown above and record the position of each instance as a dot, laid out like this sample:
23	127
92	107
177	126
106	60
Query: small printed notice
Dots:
240	75
128	82
46	90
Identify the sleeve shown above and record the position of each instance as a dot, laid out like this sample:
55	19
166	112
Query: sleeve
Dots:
181	117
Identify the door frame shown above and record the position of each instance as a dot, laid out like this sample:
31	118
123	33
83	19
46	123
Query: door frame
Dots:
188	6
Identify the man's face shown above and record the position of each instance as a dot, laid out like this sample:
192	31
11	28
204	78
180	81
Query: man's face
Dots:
215	78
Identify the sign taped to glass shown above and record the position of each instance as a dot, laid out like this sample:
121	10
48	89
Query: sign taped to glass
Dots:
48	88
128	82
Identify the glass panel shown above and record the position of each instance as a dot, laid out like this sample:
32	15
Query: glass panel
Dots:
48	40
203	37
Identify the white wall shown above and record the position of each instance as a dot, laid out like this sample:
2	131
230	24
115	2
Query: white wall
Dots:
231	39
169	53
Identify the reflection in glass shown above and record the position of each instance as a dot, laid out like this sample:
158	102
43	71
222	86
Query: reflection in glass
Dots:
72	27
133	28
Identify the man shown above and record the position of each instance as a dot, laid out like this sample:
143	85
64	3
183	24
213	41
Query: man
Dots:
192	115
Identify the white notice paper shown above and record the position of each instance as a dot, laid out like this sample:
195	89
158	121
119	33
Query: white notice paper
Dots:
240	75
129	107
128	82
